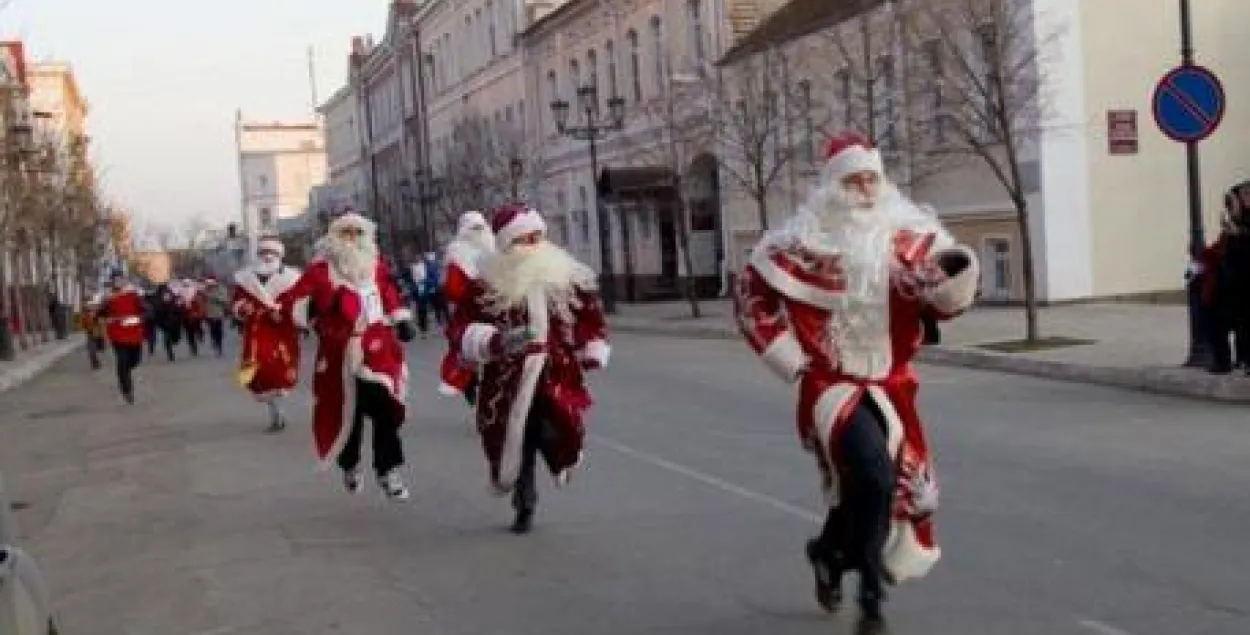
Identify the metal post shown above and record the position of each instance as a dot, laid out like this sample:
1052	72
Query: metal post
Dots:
1199	349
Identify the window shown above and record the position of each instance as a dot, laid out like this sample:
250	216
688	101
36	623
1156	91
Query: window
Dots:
562	230
494	40
644	224
988	40
263	181
507	113
575	76
657	37
843	81
888	116
266	218
610	51
592	69
635	66
998	253
696	31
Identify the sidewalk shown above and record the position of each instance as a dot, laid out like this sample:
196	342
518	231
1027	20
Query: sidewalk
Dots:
1134	346
37	359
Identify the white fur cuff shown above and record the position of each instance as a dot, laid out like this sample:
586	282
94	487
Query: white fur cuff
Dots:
447	390
785	356
401	315
475	345
597	350
954	295
299	313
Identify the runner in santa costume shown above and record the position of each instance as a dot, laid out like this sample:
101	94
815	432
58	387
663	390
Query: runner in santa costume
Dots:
536	324
122	312
350	299
473	239
833	301
269	366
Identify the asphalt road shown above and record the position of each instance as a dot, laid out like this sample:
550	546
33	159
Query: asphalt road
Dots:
1066	510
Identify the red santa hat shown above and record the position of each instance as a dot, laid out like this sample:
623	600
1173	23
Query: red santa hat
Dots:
351	219
513	221
850	153
271	243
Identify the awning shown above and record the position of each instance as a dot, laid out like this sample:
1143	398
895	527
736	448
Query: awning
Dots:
793	20
617	183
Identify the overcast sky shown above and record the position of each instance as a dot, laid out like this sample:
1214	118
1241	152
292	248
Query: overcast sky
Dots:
164	78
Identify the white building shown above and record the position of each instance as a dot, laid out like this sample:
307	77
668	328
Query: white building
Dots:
348	179
278	164
1108	220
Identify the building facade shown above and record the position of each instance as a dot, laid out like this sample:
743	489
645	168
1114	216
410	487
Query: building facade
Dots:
347	178
278	164
1106	190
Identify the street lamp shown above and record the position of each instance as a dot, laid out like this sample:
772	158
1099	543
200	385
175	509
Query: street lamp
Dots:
592	130
429	191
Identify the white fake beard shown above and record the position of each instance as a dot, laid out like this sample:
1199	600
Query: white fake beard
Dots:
511	275
356	262
268	266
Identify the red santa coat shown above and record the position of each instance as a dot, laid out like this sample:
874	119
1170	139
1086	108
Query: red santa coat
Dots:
355	340
269	366
123	311
460	278
551	367
785	304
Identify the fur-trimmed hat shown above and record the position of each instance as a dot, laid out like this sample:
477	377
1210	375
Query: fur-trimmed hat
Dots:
512	221
350	218
850	153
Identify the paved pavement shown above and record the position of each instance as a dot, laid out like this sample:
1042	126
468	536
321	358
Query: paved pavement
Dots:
1068	509
31	362
1137	346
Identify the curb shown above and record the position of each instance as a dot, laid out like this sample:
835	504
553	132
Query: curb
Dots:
1174	382
30	367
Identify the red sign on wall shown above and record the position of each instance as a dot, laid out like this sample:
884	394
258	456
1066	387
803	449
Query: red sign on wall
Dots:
1122	132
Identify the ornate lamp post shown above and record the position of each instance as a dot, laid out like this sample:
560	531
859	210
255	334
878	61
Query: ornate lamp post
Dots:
594	128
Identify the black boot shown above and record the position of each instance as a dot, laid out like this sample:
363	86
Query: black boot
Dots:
871	621
828	577
524	500
523	522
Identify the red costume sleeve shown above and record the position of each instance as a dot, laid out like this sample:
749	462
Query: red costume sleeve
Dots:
590	330
458	285
294	303
469	330
762	320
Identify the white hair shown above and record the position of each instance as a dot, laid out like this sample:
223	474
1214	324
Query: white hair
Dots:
356	262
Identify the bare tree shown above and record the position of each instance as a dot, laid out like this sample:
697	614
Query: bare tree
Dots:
991	65
478	174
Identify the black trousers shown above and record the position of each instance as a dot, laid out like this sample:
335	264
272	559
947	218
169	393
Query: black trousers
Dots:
95	346
856	530
539	437
128	357
375	403
216	333
195	333
169	337
423	314
438	302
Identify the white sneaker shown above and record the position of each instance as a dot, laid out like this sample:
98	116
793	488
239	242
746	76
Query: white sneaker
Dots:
393	486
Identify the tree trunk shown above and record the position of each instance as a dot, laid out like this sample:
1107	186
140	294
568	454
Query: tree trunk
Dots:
1030	280
761	204
683	239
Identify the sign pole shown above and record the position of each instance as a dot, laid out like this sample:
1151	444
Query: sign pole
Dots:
1199	351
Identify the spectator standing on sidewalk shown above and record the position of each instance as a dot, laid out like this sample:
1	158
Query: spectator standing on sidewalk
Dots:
1230	285
89	323
216	307
420	294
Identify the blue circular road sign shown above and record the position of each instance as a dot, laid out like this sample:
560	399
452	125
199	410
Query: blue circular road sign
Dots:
1189	104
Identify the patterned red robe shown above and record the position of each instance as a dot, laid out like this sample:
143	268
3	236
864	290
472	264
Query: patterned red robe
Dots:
551	367
786	301
458	286
269	366
353	342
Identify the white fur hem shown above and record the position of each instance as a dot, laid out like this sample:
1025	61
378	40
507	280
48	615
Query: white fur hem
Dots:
518	414
785	356
475	345
597	350
447	390
401	315
299	313
955	295
905	558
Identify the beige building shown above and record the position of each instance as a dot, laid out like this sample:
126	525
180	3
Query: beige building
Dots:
278	164
643	52
1108	214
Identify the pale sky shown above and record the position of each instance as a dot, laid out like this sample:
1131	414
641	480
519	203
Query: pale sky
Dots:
163	79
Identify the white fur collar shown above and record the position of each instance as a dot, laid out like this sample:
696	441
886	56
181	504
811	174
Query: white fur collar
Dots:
272	288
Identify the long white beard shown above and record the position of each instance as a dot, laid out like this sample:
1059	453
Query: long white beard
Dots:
511	276
357	263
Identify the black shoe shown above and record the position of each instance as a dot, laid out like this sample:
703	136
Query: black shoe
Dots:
523	523
828	579
871	625
129	397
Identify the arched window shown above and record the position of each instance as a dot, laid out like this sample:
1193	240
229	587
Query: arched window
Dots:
635	64
610	51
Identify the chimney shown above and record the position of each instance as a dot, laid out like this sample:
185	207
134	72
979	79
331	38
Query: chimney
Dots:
358	45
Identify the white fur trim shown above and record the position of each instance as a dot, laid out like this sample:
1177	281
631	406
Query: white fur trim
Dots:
401	315
958	293
597	350
299	312
524	223
905	558
852	160
447	390
825	414
352	220
791	287
268	292
510	458
785	356
475	345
